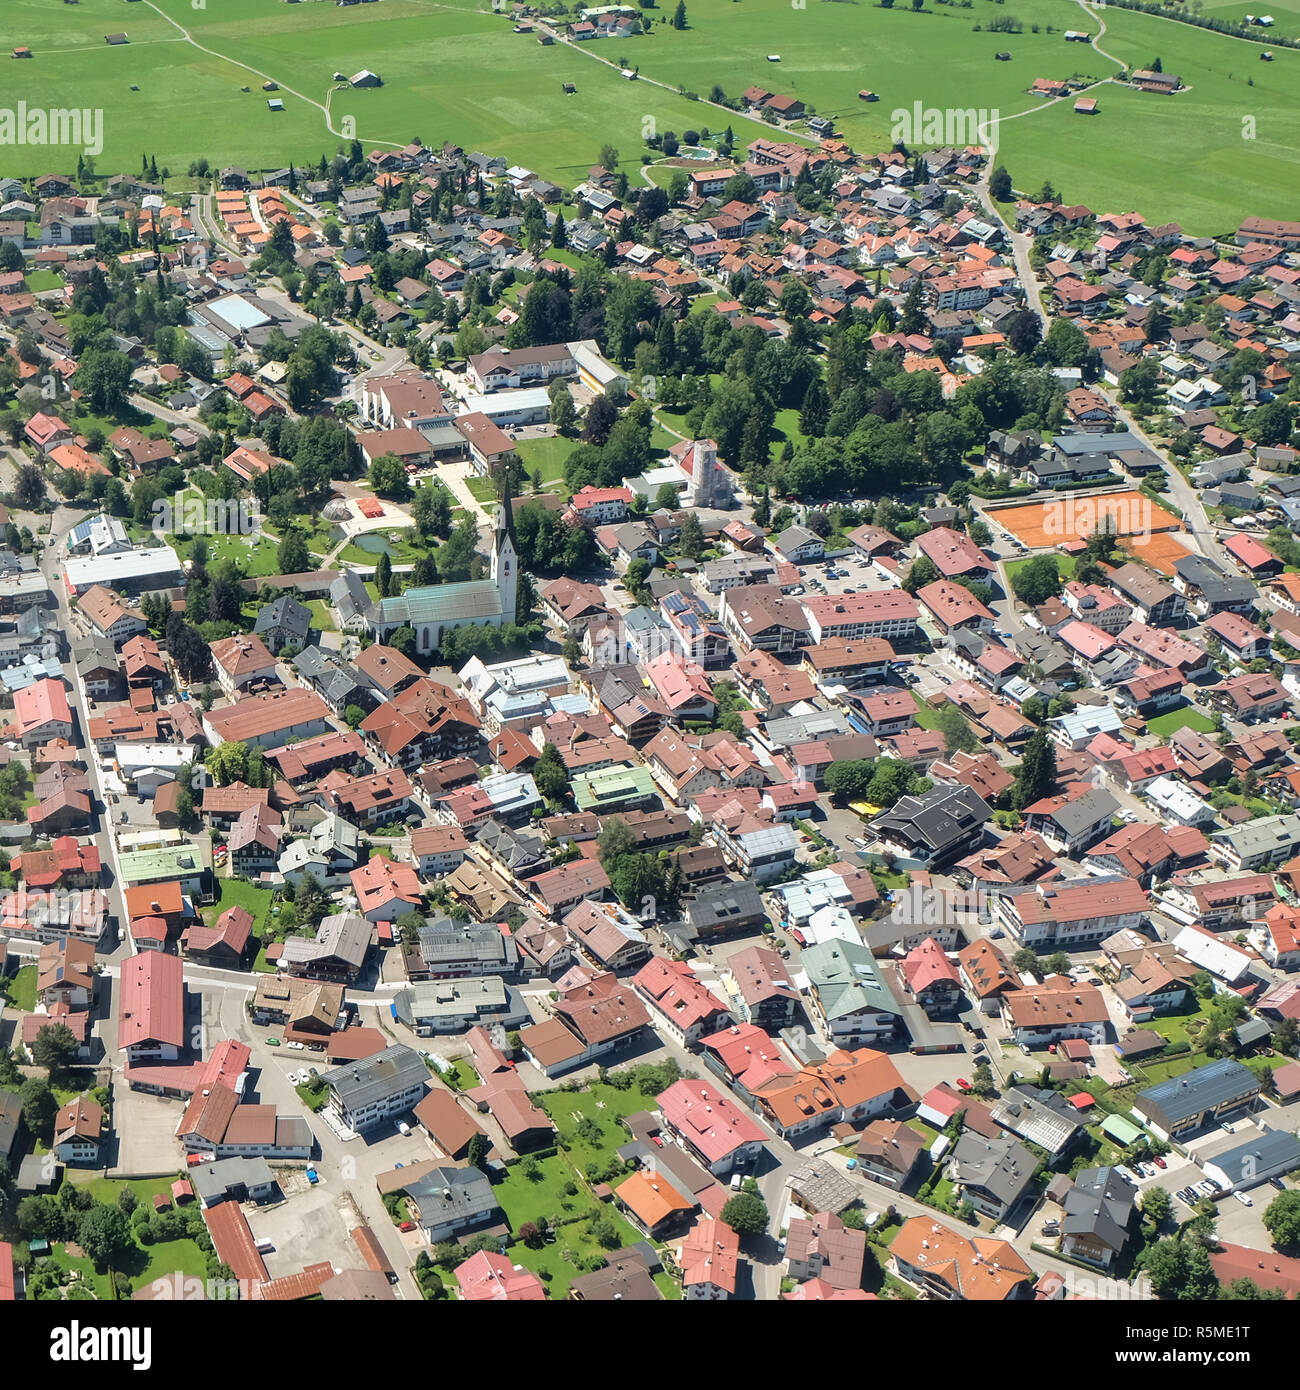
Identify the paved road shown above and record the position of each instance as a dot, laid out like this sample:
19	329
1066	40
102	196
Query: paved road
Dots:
63	520
172	417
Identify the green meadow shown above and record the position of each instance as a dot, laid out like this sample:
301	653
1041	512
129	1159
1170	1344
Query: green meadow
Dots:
453	70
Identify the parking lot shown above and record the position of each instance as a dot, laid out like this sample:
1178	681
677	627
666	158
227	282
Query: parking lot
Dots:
145	1127
848	574
307	1229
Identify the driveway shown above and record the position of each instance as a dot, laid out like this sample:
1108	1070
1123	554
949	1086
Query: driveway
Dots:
145	1130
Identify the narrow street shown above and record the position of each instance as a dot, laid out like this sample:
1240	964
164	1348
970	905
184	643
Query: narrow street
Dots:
63	520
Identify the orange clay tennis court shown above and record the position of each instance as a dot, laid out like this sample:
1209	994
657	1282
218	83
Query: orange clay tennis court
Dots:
1042	525
1159	551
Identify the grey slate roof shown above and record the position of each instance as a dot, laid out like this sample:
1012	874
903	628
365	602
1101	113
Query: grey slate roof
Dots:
387	1073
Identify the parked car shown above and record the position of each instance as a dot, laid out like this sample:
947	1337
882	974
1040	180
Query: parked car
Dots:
1050	1228
273	1042
1243	1199
407	1226
297	1046
313	1176
403	1127
1160	1163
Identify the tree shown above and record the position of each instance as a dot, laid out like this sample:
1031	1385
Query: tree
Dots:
551	774
563	413
29	487
1037	580
746	1213
848	781
1271	424
816	407
958	736
1139	383
601	416
479	1148
39	1106
1158	1205
388	477
54	1047
679	15
1282	1219
1025	331
40	1216
1037	774
920	572
982	1080
403	640
104	376
1025	961
105	1234
690	541
292	554
1000	184
383	575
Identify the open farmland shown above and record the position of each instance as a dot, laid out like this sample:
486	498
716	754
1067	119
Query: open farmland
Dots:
455	71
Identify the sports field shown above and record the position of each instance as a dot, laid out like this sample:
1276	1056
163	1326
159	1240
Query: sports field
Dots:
1159	550
453	70
1042	525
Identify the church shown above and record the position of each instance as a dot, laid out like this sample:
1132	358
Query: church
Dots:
433	609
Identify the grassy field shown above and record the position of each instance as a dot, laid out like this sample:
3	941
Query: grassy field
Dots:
21	989
1064	566
258	555
106	1189
1206	156
1185	718
606	1106
321	617
232	892
525	1198
465	1074
506	97
1181	1027
546	456
38	280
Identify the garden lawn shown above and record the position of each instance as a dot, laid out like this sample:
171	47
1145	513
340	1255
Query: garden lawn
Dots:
321	616
578	1241
232	892
525	1199
1163	725
257	555
546	455
465	1074
926	715
481	490
1064	566
1173	1028
313	1101
106	1189
172	1255
38	280
21	988
568	1108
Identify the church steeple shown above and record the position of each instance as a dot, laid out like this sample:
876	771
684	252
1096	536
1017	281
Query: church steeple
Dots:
505	553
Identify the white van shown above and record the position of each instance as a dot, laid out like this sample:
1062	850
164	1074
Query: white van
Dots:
403	1127
264	1246
737	1181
